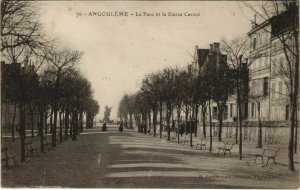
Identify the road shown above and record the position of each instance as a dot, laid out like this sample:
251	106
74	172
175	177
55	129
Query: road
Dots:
132	160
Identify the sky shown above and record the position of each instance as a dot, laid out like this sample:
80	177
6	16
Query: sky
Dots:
119	51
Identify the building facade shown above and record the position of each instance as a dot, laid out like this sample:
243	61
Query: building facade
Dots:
268	79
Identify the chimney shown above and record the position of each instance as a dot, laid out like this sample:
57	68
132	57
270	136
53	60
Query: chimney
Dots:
217	47
211	48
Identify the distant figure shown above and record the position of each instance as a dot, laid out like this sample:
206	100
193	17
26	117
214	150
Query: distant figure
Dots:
104	127
234	119
121	127
173	125
181	129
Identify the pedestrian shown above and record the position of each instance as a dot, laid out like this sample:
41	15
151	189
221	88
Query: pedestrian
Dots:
121	127
104	127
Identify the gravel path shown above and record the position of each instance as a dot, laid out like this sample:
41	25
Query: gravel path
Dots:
131	160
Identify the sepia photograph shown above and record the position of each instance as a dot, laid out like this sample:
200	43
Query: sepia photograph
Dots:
150	94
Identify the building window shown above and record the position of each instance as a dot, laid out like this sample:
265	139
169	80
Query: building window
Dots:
231	110
266	38
246	110
258	109
266	86
254	43
252	110
274	61
280	89
225	113
260	39
215	113
287	112
281	63
273	90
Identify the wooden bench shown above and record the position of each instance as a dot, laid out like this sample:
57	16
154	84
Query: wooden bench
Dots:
201	144
46	144
30	149
226	148
6	156
174	138
186	140
269	153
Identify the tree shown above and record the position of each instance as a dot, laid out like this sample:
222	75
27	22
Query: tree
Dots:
21	38
142	108
236	50
283	17
180	84
92	110
60	62
169	92
123	110
222	88
256	94
151	87
20	27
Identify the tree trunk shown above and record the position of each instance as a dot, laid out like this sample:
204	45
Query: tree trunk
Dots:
31	123
22	131
80	122
203	109
178	123
75	125
191	127
296	133
71	126
41	130
237	124
220	115
196	118
294	101
60	128
240	119
54	127
130	121
160	122
13	123
259	137
186	118
46	124
291	142
169	112
210	128
67	123
126	123
154	121
51	120
149	119
144	119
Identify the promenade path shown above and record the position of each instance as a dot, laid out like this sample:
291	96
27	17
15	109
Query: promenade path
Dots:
132	160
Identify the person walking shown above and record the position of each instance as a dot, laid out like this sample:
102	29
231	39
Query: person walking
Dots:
121	127
104	127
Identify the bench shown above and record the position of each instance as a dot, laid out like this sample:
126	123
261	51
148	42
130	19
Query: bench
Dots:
186	140
174	138
46	144
6	156
201	144
30	149
226	148
269	153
